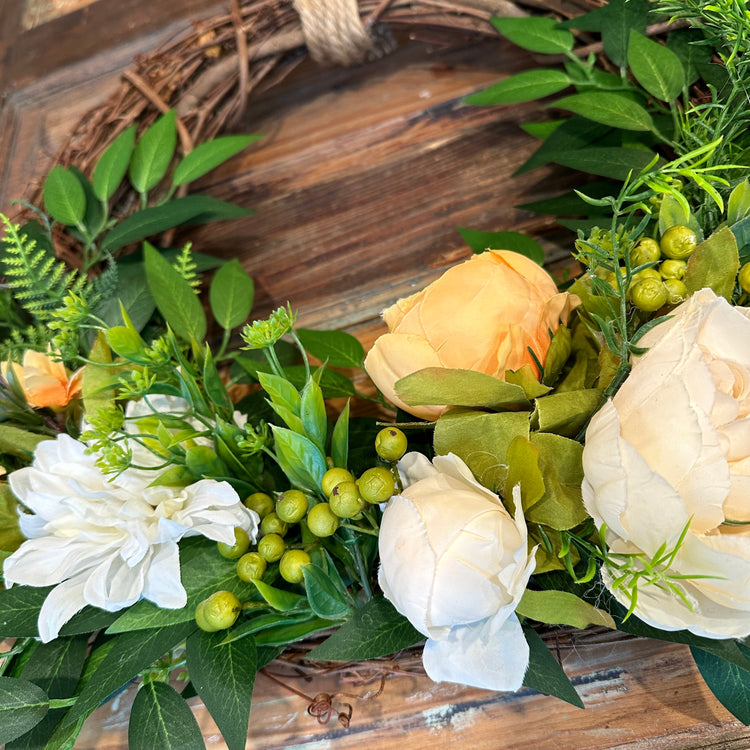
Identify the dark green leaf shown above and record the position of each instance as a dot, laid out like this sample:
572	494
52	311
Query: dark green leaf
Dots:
113	164
22	706
542	129
64	197
209	155
515	241
324	597
336	348
728	682
285	634
605	161
161	718
571	204
93	217
133	294
19	610
655	67
535	33
153	153
223	676
174	297
231	295
340	439
522	87
375	629
151	221
685	43
615	110
544	674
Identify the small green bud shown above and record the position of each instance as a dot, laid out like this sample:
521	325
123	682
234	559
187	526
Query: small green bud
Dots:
744	277
333	477
673	269
676	291
376	485
678	242
240	546
218	612
322	521
646	251
272	524
390	444
292	506
291	564
261	503
345	500
271	547
649	295
251	567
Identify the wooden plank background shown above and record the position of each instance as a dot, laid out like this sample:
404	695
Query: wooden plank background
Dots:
359	185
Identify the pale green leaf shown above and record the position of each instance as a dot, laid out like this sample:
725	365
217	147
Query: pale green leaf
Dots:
655	67
153	153
64	197
615	110
535	33
522	87
561	608
113	164
714	263
336	348
209	155
231	295
738	205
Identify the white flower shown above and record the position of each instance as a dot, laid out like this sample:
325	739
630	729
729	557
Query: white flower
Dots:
672	449
108	542
455	563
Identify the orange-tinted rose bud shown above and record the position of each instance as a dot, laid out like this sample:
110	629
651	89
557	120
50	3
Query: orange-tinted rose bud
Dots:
45	381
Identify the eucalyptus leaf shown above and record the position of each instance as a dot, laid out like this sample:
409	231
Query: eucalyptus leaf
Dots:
64	197
223	675
174	297
231	295
615	110
153	153
655	67
209	155
336	348
113	164
522	87
22	706
714	263
536	34
544	674
161	718
515	241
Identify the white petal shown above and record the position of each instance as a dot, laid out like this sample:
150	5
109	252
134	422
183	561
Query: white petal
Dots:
163	585
60	605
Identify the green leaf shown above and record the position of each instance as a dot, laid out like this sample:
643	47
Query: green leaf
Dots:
19	610
299	458
161	718
113	164
209	155
325	599
655	67
174	297
671	213
64	197
156	219
223	676
285	634
561	608
10	533
132	294
153	153
281	392
522	87
568	412
375	629
605	161
536	34
93	217
22	706
541	130
544	674
280	599
336	348
728	682
340	439
440	385
738	205
313	414
515	241
714	263
231	295
615	110
212	382
692	53
18	442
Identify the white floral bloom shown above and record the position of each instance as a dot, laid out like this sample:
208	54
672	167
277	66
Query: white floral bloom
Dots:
456	563
107	541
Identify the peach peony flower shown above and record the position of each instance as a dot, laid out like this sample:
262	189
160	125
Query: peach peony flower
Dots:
484	315
44	380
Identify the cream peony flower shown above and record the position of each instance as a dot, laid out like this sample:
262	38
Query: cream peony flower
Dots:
672	449
455	563
108	542
484	315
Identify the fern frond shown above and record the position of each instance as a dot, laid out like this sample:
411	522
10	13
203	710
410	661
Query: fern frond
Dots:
187	267
33	337
39	282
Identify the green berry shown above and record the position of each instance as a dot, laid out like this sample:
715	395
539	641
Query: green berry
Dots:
390	444
240	546
272	524
292	506
261	503
678	242
376	485
291	564
271	547
676	291
646	251
345	500
322	521
251	567
218	612
673	269
744	277
649	295
333	477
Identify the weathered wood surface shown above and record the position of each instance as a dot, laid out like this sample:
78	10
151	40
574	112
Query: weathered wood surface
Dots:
359	184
